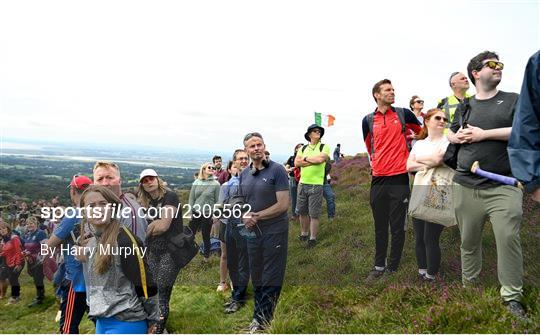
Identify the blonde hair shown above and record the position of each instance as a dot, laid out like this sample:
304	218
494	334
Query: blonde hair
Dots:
106	164
202	171
144	197
108	238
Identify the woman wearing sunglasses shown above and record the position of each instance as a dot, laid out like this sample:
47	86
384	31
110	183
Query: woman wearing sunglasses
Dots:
203	196
428	152
165	221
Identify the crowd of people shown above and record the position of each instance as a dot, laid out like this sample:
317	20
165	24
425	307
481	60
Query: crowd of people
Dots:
130	293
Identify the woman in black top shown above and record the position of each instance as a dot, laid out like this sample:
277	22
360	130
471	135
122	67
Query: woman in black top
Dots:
163	212
293	185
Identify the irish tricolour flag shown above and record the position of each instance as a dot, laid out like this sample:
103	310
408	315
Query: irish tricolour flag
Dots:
324	120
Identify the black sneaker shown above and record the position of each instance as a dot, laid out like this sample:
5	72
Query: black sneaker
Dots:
517	309
303	238
374	275
311	243
233	307
255	327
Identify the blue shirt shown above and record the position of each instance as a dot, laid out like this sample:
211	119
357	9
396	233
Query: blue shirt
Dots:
259	191
524	143
74	269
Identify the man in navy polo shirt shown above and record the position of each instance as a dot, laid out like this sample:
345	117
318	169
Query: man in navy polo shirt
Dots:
385	136
265	188
73	303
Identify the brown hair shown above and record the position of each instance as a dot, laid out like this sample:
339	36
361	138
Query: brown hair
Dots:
424	132
110	233
411	102
377	87
144	197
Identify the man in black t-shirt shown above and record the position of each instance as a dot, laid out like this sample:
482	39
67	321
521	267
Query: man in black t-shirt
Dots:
265	189
485	139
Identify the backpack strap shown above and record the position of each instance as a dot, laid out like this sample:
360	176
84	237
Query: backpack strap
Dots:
140	261
401	115
370	119
304	148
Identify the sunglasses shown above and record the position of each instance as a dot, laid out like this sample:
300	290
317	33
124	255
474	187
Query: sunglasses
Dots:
318	131
419	101
147	179
211	167
492	65
440	118
250	135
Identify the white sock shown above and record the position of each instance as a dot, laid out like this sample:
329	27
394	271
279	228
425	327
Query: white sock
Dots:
379	268
422	271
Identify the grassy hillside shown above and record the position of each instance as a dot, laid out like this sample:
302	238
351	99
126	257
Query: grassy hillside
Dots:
325	289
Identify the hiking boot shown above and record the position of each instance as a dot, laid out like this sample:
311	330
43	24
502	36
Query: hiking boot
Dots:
35	302
303	238
374	275
13	301
228	303
517	309
233	307
311	243
222	287
255	327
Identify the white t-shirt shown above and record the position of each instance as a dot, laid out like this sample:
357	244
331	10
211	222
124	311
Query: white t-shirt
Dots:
427	147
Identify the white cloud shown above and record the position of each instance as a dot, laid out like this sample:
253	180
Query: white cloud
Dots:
203	74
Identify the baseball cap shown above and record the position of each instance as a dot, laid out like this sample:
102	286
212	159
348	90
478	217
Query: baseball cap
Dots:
80	182
148	172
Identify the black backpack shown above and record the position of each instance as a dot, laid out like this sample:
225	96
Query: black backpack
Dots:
401	115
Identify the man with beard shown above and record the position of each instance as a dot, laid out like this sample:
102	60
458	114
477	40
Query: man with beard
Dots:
484	138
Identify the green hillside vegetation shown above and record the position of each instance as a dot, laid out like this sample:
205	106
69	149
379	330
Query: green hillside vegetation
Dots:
325	289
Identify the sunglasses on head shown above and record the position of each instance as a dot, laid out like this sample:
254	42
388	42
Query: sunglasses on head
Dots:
440	118
494	65
419	101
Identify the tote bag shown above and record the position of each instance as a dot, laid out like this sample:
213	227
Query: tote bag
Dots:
431	197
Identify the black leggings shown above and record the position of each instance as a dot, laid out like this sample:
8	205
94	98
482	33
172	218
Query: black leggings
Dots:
428	250
205	224
14	282
36	271
165	271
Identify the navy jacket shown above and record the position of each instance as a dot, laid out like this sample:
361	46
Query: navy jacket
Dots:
524	143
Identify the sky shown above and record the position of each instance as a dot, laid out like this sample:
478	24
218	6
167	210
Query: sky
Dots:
202	74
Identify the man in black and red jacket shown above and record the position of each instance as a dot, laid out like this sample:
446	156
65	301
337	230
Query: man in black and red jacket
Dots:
385	136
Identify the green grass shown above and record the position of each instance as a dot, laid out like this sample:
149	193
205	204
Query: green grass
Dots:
325	291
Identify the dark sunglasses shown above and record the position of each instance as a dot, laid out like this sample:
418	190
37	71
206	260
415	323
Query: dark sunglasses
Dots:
440	118
318	131
147	179
492	65
211	167
419	101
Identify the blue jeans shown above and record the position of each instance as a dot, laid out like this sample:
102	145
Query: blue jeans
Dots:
330	197
237	260
293	187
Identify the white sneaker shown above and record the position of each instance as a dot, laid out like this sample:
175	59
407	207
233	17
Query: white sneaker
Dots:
13	301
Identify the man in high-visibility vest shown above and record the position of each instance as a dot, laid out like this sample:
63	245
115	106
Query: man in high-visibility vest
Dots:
459	85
